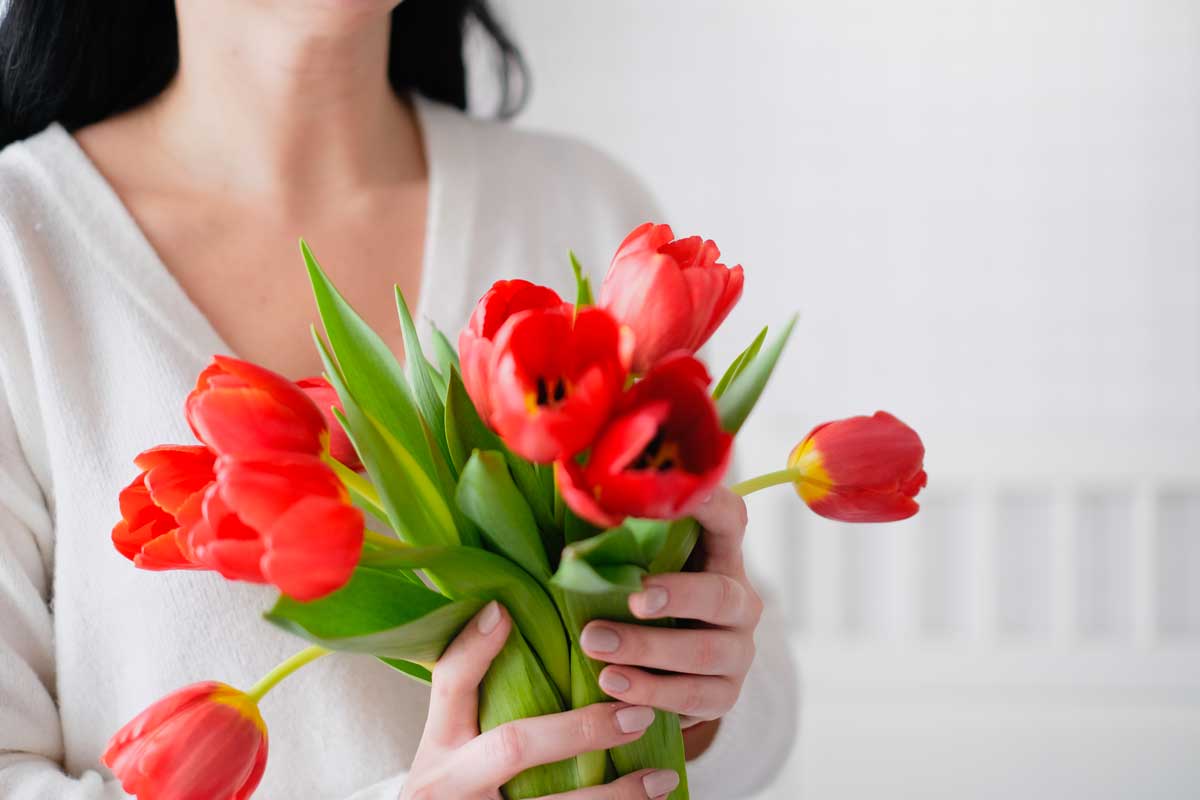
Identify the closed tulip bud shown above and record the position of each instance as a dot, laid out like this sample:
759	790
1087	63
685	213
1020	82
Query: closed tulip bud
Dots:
172	482
861	469
204	741
661	454
501	302
340	447
243	410
554	377
672	293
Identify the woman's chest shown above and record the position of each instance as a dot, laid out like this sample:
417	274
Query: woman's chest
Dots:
241	266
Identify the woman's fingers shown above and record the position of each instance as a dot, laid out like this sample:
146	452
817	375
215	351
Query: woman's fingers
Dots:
705	596
493	758
696	651
454	699
700	697
646	784
723	518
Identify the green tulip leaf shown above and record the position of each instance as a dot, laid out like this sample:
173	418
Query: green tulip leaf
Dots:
740	363
487	494
472	572
583	284
413	504
444	352
379	613
368	366
743	392
418	369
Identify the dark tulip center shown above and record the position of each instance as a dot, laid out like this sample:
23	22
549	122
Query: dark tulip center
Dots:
548	393
658	454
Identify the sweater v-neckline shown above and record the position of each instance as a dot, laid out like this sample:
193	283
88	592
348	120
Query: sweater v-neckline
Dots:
142	272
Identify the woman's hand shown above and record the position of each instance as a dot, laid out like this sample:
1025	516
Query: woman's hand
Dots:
455	761
698	671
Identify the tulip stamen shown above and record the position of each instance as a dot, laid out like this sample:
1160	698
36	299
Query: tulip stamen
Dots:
545	395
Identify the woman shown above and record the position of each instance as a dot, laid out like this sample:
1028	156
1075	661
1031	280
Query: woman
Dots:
204	138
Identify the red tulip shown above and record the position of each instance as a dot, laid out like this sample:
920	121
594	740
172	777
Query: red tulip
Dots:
671	292
501	302
173	478
241	409
203	742
321	393
663	452
554	377
286	521
861	469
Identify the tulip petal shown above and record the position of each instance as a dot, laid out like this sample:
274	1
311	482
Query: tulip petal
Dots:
313	548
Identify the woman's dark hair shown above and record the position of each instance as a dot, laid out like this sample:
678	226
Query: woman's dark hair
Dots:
79	61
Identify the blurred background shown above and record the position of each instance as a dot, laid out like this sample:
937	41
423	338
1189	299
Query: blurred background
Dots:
988	216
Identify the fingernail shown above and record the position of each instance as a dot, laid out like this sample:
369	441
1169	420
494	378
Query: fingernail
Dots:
707	499
635	718
649	601
598	639
489	618
660	782
611	681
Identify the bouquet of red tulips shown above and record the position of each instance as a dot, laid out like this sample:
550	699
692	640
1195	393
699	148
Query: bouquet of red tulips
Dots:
549	462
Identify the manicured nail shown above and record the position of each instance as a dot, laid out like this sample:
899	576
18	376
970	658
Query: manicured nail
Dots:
489	618
598	639
634	719
611	681
649	601
660	782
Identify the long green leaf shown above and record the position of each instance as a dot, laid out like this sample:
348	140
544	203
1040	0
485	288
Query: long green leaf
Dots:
487	494
583	284
740	363
381	613
742	393
682	536
472	572
414	505
418	369
466	432
444	351
369	367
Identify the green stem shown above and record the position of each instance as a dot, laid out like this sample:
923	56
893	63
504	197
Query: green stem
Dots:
382	541
283	669
765	480
358	485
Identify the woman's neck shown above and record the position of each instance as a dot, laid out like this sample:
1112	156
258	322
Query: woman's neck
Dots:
273	103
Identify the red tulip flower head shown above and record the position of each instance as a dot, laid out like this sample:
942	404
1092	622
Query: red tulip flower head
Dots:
554	378
672	293
286	521
326	399
241	409
861	469
501	302
206	741
663	452
170	485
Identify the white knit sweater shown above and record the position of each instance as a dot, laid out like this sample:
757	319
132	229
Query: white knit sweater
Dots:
98	348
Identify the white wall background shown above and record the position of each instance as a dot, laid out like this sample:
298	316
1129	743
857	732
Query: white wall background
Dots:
988	215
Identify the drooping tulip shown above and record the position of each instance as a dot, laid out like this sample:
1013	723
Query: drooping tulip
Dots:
501	302
244	410
554	377
286	521
672	293
173	479
323	394
663	452
860	469
205	741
